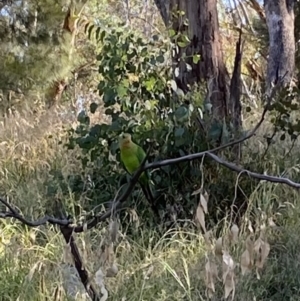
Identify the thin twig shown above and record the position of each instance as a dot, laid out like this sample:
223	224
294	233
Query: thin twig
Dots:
42	221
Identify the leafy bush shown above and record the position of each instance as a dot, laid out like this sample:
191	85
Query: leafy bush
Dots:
142	98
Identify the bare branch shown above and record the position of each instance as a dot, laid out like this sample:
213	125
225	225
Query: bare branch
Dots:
116	204
195	156
254	175
42	221
82	272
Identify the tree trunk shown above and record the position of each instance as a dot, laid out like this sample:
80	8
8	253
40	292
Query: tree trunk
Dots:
297	37
281	61
203	32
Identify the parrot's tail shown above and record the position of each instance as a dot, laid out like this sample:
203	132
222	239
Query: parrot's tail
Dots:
150	198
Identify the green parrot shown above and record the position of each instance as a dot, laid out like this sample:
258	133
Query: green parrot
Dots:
132	156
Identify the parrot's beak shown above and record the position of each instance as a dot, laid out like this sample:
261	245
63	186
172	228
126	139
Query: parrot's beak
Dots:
124	136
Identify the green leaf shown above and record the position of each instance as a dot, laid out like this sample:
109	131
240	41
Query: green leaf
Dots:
122	90
180	93
94	155
173	85
182	44
109	97
114	147
160	59
157	179
179	141
101	86
115	126
215	131
93	107
95	130
150	84
181	153
179	132
87	142
225	134
172	33
196	58
181	114
208	107
166	168
83	118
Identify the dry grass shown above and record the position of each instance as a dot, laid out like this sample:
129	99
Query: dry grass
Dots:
172	267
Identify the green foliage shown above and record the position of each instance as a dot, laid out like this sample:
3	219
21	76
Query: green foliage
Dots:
141	98
34	52
32	42
283	111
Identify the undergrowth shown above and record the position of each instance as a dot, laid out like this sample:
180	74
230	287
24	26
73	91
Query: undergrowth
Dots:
144	264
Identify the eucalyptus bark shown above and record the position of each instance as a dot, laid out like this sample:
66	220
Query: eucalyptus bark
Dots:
203	32
281	61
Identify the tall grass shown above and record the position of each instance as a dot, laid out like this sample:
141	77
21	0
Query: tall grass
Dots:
34	261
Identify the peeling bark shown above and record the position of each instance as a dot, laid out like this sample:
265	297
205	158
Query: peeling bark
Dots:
203	32
281	61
